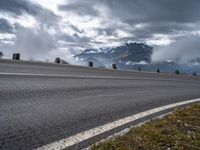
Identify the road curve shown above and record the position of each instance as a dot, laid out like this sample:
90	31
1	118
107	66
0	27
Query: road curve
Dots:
41	103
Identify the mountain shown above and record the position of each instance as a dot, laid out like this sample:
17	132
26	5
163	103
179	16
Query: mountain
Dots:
132	56
97	54
129	52
135	52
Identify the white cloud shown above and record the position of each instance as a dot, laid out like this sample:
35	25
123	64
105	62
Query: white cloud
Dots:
51	5
185	50
160	39
6	36
24	20
41	29
34	44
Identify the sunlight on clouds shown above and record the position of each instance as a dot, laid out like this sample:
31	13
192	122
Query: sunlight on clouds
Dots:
50	4
67	30
24	20
196	33
6	36
28	21
92	24
123	34
85	23
160	39
104	39
140	26
51	31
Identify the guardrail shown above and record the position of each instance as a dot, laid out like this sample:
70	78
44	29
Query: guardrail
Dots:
16	56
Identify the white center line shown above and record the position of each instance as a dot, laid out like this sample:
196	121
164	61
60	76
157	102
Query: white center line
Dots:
80	137
94	77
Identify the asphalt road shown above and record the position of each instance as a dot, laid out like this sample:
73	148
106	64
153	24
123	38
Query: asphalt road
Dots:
65	100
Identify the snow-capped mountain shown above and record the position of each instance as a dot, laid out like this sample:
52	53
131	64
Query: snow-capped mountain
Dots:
132	56
129	52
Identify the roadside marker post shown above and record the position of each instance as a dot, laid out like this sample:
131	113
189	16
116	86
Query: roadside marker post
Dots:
177	72
114	66
194	73
90	64
57	60
16	56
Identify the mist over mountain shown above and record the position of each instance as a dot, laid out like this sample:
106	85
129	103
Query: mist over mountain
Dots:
132	56
185	50
127	53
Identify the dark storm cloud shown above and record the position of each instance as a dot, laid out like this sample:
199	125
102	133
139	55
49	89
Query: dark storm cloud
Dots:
110	21
76	29
157	16
155	10
81	8
76	40
19	6
5	26
135	11
175	19
35	42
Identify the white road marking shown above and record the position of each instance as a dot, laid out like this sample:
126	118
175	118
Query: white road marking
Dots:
57	75
80	137
93	77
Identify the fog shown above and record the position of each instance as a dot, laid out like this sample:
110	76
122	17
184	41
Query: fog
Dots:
185	50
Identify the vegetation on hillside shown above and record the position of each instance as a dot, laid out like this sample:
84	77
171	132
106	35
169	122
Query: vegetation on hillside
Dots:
177	131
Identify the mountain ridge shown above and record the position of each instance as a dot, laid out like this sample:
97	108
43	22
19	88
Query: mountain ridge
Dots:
135	52
132	56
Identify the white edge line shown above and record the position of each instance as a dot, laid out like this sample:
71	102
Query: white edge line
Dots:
126	130
80	137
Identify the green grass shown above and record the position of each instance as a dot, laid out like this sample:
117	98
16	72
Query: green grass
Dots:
177	131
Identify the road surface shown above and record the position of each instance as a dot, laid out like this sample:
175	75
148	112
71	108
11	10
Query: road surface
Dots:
41	103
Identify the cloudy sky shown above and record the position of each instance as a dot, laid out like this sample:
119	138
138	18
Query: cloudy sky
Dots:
45	29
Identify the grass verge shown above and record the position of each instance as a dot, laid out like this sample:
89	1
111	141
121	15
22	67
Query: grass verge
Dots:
177	131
